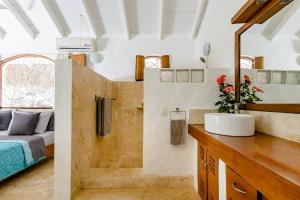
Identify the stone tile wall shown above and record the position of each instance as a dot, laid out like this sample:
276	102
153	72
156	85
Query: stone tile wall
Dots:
123	147
85	152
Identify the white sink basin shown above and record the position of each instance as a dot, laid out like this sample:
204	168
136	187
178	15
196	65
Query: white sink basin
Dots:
230	124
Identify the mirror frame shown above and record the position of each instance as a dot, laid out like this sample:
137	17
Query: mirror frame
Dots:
267	11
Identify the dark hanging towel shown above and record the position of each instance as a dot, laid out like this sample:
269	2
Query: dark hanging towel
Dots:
99	116
104	116
177	126
177	131
107	116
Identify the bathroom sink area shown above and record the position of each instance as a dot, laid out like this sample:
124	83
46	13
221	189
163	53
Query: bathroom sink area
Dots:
238	125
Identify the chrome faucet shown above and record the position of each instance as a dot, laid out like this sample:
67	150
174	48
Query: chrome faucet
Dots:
236	108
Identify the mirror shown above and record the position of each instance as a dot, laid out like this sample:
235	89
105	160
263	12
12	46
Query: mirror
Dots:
270	59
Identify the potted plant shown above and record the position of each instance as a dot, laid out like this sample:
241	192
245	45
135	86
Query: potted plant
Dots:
226	102
248	92
227	94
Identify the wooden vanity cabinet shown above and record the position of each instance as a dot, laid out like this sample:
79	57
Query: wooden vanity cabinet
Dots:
202	174
208	185
237	188
208	169
264	198
260	167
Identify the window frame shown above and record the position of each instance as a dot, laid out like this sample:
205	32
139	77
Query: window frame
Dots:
12	58
154	56
249	58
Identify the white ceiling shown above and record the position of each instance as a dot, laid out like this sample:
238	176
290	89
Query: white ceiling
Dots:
95	18
285	22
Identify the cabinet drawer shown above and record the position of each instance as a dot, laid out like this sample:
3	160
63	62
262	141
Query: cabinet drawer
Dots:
238	188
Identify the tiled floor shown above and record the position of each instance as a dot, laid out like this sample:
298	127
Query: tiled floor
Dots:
138	194
130	184
35	183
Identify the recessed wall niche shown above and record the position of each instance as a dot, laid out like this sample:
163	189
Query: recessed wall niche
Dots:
279	77
264	76
293	77
182	75
166	75
197	75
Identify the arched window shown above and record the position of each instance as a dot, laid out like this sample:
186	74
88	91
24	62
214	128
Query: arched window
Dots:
27	81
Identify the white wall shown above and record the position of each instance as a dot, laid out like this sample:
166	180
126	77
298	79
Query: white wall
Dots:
279	53
218	30
14	44
63	130
161	158
119	53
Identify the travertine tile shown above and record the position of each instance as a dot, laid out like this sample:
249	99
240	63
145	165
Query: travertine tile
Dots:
86	84
283	125
170	194
35	183
117	180
123	148
111	172
138	194
130	160
119	194
196	116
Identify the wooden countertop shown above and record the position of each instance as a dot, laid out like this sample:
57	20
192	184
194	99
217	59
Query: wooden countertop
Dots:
270	164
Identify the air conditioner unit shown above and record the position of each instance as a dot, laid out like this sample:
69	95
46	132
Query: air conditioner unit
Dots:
76	45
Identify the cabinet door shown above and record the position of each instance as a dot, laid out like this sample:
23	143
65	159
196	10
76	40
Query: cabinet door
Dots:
202	175
212	176
238	188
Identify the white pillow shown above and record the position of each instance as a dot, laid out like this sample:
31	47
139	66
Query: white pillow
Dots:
42	123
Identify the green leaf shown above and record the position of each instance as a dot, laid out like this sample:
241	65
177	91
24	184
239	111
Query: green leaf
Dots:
221	110
218	103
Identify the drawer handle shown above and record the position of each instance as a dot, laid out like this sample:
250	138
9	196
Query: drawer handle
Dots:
237	189
204	164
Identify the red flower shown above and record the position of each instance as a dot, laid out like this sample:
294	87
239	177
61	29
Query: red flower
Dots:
247	79
221	79
257	89
229	89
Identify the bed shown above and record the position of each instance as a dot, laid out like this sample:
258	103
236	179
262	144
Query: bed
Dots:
21	152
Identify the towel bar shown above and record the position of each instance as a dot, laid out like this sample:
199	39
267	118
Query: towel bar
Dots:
99	97
177	110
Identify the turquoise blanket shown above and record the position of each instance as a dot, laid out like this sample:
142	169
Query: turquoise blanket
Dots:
15	156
